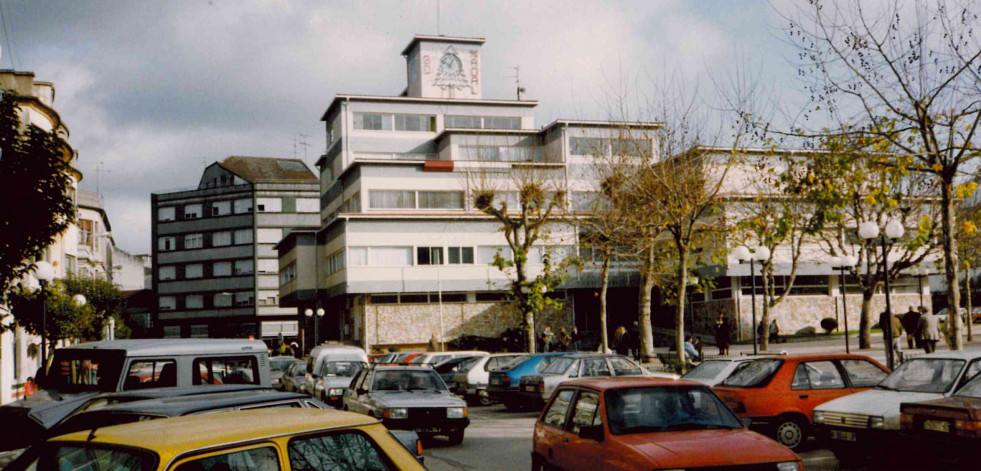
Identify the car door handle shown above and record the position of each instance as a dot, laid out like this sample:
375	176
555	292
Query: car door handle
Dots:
803	396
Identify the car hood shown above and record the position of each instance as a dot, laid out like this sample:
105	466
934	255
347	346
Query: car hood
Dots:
416	399
876	402
707	447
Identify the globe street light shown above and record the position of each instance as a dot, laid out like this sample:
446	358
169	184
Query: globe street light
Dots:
843	263
743	254
869	230
45	274
316	323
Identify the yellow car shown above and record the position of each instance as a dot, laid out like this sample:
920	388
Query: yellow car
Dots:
254	440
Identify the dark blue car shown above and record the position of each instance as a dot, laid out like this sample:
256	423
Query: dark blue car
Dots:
503	384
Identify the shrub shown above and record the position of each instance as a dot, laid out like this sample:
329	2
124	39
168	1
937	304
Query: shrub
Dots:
828	324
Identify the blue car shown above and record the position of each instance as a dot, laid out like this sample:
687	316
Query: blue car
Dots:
503	384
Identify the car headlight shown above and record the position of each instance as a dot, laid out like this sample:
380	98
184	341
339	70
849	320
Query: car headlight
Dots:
396	413
456	412
877	423
818	417
336	392
788	466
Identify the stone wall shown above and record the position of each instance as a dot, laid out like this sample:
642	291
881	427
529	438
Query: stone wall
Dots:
408	326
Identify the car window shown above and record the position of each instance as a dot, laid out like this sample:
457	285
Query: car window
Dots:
555	416
656	409
972	370
595	367
491	364
559	366
253	459
343	451
863	373
92	458
543	363
227	370
800	378
930	375
407	380
277	405
707	369
624	367
753	374
340	368
823	375
585	412
151	374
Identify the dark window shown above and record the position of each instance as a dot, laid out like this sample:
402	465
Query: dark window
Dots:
491	296
454	297
254	459
384	299
414	298
429	255
460	255
151	374
289	204
555	415
343	451
227	370
753	374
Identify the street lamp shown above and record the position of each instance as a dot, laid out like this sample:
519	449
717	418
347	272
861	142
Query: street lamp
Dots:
921	273
45	274
869	230
693	281
316	323
843	263
743	254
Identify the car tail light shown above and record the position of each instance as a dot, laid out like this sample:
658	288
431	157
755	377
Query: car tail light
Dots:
906	422
506	380
968	428
418	447
541	386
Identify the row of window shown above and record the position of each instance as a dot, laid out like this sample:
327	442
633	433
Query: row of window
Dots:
411	199
596	146
202	301
482	122
502	153
239	206
192	271
287	274
427	123
269	235
403	256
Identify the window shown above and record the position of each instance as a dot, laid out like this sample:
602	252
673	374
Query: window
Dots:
414	122
244	298
352	204
167	273
595	367
429	255
817	375
194	301
485	255
222	300
863	373
441	200
194	241
586	412
490	296
269	266
390	256
482	122
555	415
229	370
357	256
392	199
221	239
590	146
624	367
192	211
253	459
307	205
222	269
166	244
243	267
243	206
221	208
268	298
85	232
384	299
243	236
341	451
151	374
462	122
502	122
287	274
586	200
166	214
632	147
373	121
335	262
269	205
167	303
460	255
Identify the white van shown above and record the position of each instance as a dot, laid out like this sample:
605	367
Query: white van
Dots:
330	353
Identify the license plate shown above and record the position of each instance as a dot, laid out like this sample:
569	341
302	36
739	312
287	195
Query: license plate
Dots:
495	381
471	391
427	430
936	426
843	435
530	388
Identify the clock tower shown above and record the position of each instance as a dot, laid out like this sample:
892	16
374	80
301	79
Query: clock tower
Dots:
443	67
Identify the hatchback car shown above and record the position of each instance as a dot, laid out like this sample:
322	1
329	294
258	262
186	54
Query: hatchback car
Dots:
408	398
504	385
277	368
779	394
472	383
449	368
261	440
295	377
947	429
537	388
648	423
333	379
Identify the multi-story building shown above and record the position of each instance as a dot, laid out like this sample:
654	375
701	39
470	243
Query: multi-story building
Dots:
215	268
95	244
401	253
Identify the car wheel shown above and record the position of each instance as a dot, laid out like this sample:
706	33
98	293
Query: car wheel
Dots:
790	431
456	437
484	398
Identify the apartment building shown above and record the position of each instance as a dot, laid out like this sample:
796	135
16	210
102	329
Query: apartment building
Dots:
216	272
95	243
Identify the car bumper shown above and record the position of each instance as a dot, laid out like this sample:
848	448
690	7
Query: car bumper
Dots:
856	440
445	426
503	394
468	389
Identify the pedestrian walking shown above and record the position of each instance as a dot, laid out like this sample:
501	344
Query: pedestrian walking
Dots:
576	339
634	340
547	339
774	332
620	340
929	330
723	333
564	340
911	323
896	328
433	344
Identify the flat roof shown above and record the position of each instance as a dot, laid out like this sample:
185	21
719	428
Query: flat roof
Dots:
440	39
175	346
410	99
604	124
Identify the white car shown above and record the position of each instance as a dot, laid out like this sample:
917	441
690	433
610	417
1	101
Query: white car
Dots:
472	383
860	422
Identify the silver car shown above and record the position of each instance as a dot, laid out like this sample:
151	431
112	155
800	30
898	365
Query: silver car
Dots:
536	389
334	378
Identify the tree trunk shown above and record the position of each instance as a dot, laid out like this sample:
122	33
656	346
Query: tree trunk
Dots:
526	311
950	262
679	336
970	314
604	336
765	319
864	326
646	339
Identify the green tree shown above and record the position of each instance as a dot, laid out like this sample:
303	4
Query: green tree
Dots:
105	299
969	246
35	186
65	319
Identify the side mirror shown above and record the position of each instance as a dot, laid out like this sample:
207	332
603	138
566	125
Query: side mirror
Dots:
746	422
592	432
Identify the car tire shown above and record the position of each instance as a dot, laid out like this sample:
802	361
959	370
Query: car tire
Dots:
483	397
456	437
791	431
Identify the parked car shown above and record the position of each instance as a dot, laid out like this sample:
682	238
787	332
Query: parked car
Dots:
712	372
277	367
537	388
503	385
255	439
648	423
944	431
779	394
869	421
449	368
334	378
471	382
78	373
942	315
408	398
295	377
435	358
330	352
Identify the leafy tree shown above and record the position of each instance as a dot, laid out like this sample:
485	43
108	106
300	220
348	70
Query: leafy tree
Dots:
35	186
105	299
969	245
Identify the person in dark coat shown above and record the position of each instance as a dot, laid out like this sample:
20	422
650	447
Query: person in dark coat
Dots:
634	340
620	340
723	334
911	324
576	339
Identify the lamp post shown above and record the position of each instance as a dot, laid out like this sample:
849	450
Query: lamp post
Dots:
45	274
869	230
743	254
843	263
316	323
921	273
693	281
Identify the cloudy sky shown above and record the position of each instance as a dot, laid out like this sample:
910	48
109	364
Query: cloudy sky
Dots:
156	90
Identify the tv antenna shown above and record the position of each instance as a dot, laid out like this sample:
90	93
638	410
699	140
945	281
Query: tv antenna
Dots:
300	141
517	82
100	168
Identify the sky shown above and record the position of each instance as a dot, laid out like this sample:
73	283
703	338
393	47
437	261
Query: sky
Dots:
155	91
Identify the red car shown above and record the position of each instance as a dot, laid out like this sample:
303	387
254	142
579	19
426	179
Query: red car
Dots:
644	423
779	394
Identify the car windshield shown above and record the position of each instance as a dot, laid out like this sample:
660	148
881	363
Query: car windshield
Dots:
753	374
84	370
468	364
341	368
280	365
971	389
707	369
300	370
407	380
559	366
91	458
660	409
926	375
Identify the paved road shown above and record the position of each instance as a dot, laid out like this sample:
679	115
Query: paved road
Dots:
498	439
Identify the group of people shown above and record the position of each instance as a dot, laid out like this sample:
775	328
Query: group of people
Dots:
921	326
565	341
